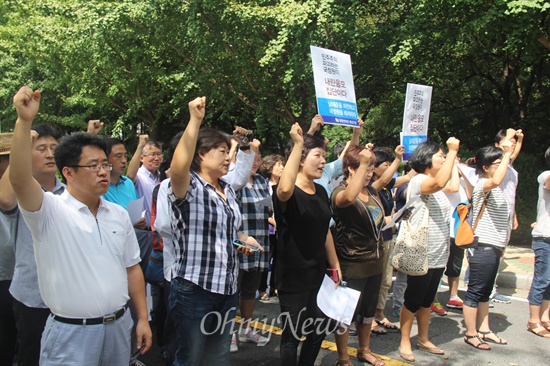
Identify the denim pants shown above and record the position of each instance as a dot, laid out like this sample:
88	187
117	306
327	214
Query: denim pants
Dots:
399	287
484	261
540	287
204	322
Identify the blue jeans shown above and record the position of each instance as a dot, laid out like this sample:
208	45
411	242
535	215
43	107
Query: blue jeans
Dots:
204	322
540	287
484	261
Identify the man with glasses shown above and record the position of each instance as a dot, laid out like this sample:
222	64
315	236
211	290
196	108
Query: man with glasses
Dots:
148	175
86	251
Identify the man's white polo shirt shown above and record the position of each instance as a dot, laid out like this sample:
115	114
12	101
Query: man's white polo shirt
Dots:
82	259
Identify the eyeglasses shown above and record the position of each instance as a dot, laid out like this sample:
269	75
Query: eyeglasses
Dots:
95	167
154	155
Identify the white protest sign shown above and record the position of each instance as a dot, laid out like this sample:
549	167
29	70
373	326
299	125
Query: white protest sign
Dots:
334	87
416	117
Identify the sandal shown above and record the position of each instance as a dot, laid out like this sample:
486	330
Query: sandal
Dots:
386	324
435	350
546	325
264	297
479	345
538	329
377	360
406	356
379	330
484	336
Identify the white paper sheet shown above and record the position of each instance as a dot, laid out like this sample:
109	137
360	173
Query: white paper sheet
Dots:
135	208
337	303
399	214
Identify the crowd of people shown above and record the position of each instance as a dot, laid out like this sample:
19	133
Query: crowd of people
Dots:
223	225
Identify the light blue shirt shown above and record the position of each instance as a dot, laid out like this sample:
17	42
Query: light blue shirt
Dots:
331	172
121	193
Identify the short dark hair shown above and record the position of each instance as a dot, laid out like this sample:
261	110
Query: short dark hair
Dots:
338	148
46	130
268	162
69	150
207	140
310	143
383	154
500	135
351	159
110	142
547	157
485	157
421	159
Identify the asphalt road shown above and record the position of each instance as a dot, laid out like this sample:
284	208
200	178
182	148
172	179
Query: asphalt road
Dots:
508	320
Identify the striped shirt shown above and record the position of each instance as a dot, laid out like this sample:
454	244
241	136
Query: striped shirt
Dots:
493	226
254	222
438	224
203	228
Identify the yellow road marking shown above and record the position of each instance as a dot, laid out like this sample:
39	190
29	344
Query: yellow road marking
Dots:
331	346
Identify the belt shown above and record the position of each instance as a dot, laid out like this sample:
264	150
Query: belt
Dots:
91	321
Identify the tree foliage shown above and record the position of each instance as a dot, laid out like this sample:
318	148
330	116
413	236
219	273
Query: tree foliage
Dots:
138	63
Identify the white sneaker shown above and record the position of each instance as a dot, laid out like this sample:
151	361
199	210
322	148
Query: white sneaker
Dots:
234	347
253	337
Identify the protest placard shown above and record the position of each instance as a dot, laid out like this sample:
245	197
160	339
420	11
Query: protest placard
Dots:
416	117
334	87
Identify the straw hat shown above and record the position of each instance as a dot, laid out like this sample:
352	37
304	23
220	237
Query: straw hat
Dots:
5	143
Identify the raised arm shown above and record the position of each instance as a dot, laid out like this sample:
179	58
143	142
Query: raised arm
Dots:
519	144
180	169
316	123
356	181
133	166
453	185
404	179
26	188
500	172
285	188
239	175
94	126
388	174
432	185
357	133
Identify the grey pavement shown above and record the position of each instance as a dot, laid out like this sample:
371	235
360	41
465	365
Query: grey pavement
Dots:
508	320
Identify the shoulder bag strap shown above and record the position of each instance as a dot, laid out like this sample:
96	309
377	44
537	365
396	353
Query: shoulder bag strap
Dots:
480	213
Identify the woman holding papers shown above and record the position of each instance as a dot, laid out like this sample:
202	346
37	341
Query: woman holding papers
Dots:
359	217
304	247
